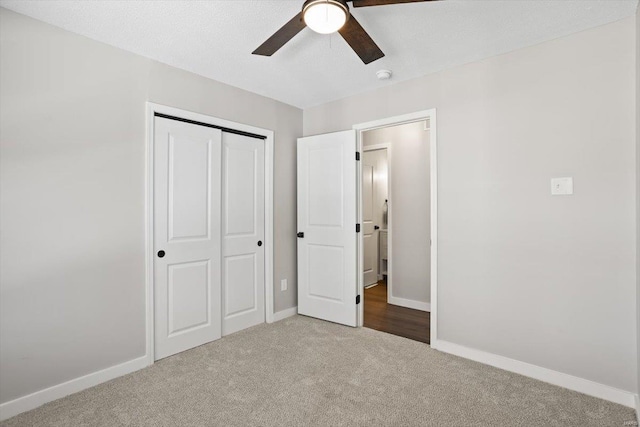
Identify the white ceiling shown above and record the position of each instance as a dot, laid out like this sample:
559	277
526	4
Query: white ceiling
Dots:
215	38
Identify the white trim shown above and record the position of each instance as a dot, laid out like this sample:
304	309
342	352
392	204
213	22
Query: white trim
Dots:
433	156
283	314
268	227
398	120
152	108
375	147
148	249
360	239
58	391
571	382
429	115
409	303
637	399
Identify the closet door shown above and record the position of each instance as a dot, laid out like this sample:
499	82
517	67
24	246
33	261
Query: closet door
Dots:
243	232
187	183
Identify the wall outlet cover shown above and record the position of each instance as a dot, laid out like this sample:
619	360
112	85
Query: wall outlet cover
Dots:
562	186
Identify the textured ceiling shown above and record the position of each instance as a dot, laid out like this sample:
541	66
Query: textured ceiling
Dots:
215	38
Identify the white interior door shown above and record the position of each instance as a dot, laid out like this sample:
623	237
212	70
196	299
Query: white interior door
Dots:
243	232
187	182
374	194
369	234
327	268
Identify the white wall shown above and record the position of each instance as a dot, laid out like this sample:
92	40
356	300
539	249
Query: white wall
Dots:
72	127
411	215
541	279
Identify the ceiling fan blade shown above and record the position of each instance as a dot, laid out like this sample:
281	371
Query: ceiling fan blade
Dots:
360	41
281	37
365	3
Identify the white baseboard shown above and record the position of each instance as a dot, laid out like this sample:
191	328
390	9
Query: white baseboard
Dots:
581	385
409	303
39	398
637	408
284	314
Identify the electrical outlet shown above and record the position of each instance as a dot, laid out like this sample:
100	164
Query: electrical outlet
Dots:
562	186
283	284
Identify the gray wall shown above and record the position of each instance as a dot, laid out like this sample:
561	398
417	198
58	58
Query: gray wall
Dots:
410	204
541	279
72	127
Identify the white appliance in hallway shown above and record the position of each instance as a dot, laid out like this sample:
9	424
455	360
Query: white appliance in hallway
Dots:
327	251
208	234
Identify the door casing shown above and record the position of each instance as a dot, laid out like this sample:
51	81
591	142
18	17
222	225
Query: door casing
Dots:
395	121
151	110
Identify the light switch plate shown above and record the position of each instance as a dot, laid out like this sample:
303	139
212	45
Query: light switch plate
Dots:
283	285
562	186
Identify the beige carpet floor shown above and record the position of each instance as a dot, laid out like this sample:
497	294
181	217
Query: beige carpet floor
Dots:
306	372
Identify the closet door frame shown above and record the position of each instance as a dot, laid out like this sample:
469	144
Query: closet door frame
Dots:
152	110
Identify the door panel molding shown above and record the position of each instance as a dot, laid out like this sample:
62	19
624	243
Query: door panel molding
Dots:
184	206
248	267
174	329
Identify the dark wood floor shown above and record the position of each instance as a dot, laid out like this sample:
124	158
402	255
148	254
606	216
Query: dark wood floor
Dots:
393	319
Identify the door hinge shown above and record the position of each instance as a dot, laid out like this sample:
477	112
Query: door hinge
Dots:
357	299
357	228
357	155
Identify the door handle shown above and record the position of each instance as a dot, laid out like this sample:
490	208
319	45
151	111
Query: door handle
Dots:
300	235
160	254
259	242
375	227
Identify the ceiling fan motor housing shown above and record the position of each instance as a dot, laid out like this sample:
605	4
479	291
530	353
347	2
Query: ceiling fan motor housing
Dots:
340	3
325	16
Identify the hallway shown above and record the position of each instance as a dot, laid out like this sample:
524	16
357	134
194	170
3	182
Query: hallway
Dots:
393	319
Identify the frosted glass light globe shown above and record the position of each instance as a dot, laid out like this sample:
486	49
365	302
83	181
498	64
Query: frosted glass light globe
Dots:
325	16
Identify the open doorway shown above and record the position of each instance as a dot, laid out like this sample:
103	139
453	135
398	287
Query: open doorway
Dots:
396	209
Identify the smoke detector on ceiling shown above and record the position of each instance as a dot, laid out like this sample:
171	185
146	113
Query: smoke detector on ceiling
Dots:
384	74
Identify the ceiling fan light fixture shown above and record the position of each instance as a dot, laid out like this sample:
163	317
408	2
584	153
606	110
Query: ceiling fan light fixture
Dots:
325	16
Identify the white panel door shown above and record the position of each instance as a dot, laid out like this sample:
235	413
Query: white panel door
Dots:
243	232
327	268
187	182
369	234
374	195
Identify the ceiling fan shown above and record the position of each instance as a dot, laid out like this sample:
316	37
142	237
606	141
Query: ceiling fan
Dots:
326	17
